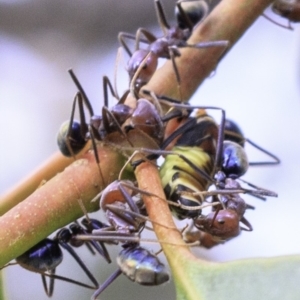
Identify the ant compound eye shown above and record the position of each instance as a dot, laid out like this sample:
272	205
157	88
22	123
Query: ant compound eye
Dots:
234	160
221	221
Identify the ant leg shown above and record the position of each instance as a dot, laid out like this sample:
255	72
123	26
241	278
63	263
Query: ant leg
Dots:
150	38
123	188
106	283
189	125
214	217
107	85
81	90
88	221
158	106
173	53
119	57
124	35
262	163
121	38
97	159
71	137
121	211
80	262
92	224
106	236
54	276
246	222
161	17
289	26
48	291
133	86
51	282
91	112
259	190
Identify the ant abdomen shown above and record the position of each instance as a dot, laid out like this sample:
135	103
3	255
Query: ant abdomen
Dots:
234	160
45	255
289	9
141	266
70	142
233	132
189	13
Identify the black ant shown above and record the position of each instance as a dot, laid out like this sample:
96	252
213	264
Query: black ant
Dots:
45	256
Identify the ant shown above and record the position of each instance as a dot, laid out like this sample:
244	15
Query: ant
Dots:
46	255
287	9
201	151
124	216
121	119
143	62
73	135
139	265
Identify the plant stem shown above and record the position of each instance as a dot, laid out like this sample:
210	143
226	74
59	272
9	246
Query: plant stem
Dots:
55	204
53	165
228	21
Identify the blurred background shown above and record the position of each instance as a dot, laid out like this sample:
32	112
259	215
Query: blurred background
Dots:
258	83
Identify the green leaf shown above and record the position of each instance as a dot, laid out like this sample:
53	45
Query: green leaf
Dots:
256	278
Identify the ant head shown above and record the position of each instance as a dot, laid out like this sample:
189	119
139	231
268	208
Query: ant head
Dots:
223	224
148	68
113	193
146	119
234	160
